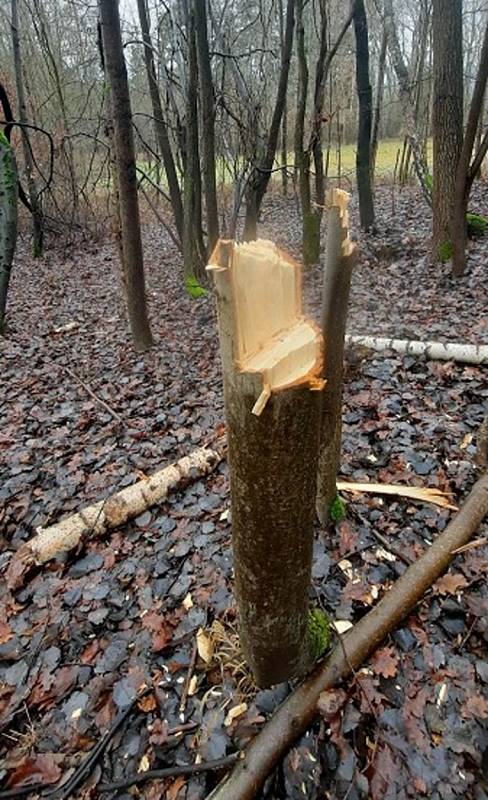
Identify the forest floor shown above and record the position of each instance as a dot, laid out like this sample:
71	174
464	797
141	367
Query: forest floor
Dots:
80	637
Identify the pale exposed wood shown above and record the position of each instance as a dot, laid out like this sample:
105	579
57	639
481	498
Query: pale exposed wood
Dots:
436	351
273	338
421	493
117	509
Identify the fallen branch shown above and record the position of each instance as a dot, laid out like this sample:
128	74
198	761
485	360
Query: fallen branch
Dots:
421	493
169	772
120	507
299	709
436	351
90	391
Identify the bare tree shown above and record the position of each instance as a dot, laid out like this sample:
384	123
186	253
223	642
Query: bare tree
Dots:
261	170
363	153
133	266
160	127
468	167
34	201
447	117
207	103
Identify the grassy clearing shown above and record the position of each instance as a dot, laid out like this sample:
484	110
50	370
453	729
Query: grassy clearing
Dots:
346	159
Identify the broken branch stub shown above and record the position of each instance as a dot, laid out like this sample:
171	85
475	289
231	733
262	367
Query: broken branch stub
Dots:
339	261
272	364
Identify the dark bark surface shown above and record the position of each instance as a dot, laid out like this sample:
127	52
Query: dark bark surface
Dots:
365	98
207	103
447	117
126	174
35	206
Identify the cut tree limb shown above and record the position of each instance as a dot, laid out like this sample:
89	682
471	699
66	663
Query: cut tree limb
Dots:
436	351
272	365
297	712
113	512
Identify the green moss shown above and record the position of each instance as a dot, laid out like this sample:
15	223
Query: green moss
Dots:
337	509
429	182
477	225
318	632
193	287
444	252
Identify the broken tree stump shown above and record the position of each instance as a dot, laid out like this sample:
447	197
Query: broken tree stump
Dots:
272	365
339	261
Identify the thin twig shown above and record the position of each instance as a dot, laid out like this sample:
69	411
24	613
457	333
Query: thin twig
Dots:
170	772
186	687
89	762
90	391
384	541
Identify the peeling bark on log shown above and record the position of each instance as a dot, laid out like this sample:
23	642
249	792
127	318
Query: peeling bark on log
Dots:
435	351
297	712
120	507
273	415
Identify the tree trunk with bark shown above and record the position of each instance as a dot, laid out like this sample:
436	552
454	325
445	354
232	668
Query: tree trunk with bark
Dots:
447	118
365	99
272	363
126	172
468	169
34	201
339	261
378	103
193	247
160	127
261	172
310	217
207	103
8	220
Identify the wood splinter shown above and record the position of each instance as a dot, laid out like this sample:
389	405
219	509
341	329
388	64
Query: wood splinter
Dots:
272	362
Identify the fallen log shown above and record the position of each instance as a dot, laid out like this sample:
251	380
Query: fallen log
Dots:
120	507
435	351
297	712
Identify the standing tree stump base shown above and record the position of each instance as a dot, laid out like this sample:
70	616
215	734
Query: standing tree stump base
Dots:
272	363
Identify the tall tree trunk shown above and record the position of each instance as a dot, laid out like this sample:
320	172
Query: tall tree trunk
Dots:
378	104
127	178
365	99
310	228
261	173
8	220
284	122
207	103
194	252
160	128
447	118
466	170
37	218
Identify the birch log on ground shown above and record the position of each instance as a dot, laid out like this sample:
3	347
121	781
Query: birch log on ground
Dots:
436	351
297	712
272	364
120	507
339	260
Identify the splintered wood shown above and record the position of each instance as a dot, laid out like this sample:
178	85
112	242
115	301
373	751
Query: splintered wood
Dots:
273	339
